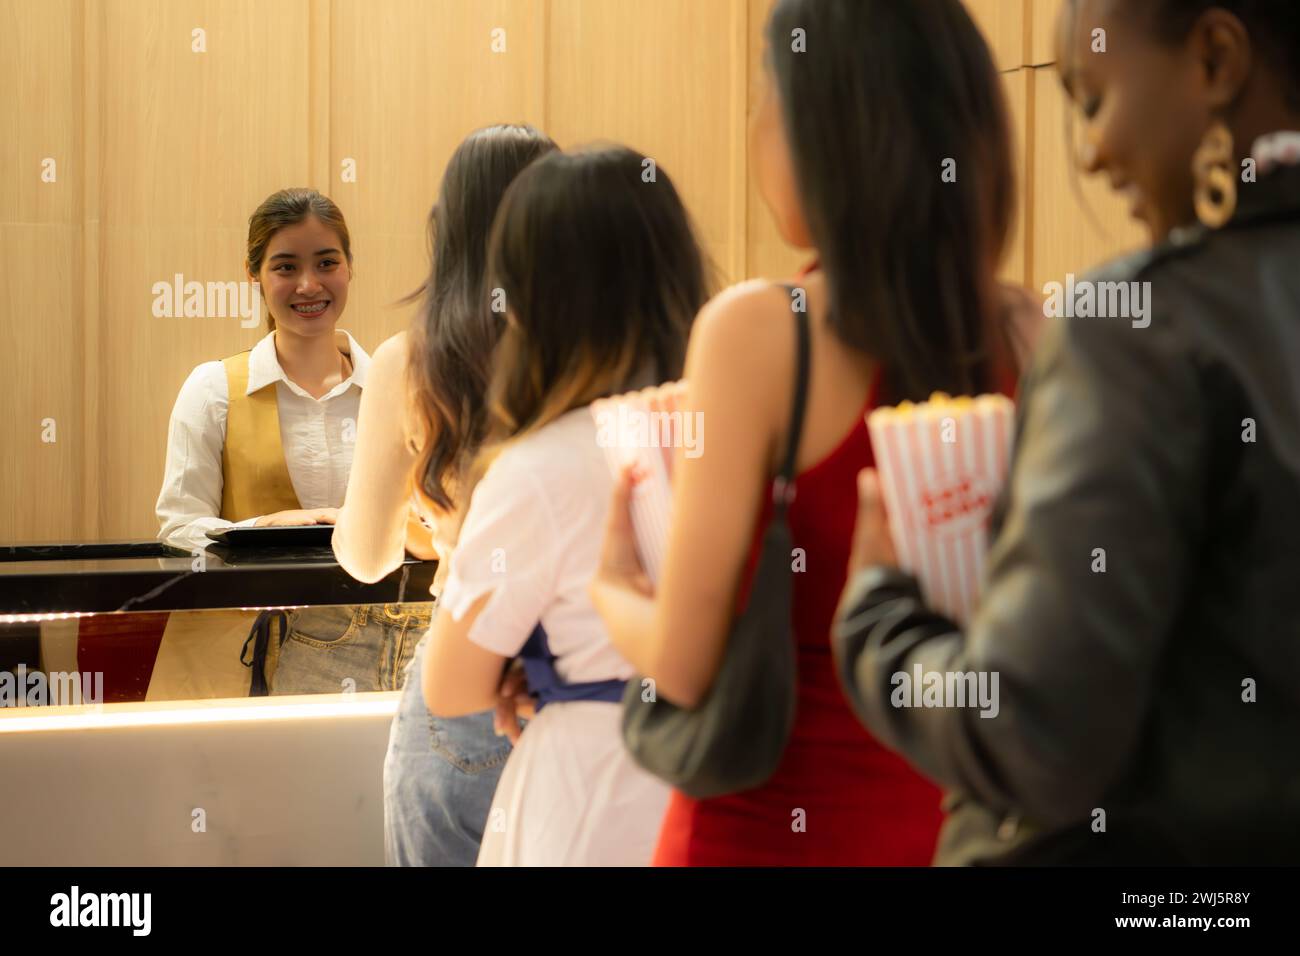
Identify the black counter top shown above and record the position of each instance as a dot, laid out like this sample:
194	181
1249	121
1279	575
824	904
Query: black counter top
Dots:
149	576
59	550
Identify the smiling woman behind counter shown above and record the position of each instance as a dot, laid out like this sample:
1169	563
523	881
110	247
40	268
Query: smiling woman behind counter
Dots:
265	437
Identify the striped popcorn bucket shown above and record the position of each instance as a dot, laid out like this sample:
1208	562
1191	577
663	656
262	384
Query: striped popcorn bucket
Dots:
941	465
638	429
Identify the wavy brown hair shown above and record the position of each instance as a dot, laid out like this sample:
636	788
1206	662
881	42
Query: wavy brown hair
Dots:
601	274
452	338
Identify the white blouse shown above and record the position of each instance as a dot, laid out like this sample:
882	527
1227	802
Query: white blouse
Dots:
317	435
570	793
532	537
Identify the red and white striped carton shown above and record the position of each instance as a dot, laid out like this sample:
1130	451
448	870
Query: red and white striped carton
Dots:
941	465
635	429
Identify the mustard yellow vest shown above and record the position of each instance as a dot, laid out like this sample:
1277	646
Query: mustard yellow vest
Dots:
254	477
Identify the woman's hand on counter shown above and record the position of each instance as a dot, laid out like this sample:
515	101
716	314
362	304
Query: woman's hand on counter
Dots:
281	519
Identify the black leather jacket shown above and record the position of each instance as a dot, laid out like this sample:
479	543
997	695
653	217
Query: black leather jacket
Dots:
1129	691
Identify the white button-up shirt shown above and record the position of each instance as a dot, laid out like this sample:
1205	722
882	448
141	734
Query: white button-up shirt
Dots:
317	435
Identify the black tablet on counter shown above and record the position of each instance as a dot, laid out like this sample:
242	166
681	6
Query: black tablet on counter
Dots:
270	536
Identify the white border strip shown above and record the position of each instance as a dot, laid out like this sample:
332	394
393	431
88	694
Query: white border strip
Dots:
180	713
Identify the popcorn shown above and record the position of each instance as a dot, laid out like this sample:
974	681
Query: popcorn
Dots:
941	465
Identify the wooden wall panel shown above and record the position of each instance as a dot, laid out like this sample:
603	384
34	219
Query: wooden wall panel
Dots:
1005	28
40	74
1018	86
40	294
408	80
191	143
1042	30
40	481
667	79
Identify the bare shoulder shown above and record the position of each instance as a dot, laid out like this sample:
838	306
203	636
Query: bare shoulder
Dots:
388	371
748	323
745	301
390	388
391	357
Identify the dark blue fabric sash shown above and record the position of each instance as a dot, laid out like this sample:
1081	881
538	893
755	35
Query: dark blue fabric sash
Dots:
546	685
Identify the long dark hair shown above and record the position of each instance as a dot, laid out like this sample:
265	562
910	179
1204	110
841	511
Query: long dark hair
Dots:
452	338
885	94
601	275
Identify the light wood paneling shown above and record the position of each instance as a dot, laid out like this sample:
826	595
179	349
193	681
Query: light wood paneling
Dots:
1042	30
1018	86
198	139
41	82
40	246
90	262
192	142
1077	222
667	80
319	71
40	481
408	79
1005	27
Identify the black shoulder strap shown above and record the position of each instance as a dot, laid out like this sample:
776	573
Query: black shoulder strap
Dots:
783	490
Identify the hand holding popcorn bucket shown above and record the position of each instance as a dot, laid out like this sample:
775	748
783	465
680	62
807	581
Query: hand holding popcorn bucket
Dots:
639	429
941	464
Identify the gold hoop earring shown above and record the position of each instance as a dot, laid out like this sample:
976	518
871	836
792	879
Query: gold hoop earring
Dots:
1216	186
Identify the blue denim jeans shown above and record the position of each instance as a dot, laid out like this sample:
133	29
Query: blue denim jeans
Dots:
439	778
336	648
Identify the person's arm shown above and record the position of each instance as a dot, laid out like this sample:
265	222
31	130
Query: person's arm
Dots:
503	576
1094	559
460	677
370	532
739	372
189	502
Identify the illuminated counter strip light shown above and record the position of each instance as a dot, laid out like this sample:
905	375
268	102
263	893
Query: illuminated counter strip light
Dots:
35	618
174	713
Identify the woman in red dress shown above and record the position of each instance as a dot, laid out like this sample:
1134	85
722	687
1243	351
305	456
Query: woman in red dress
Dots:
850	147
